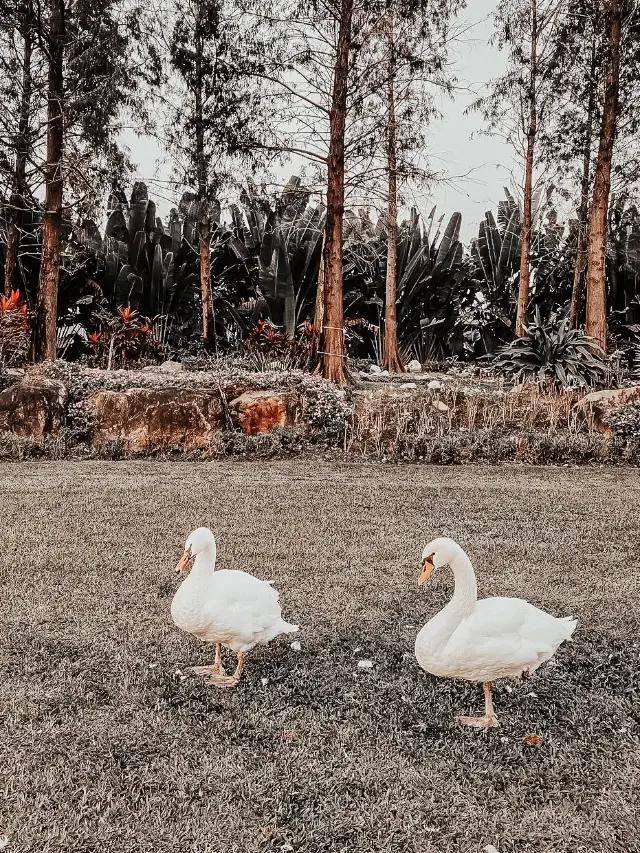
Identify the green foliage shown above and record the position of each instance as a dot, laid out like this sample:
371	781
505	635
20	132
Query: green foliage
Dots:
550	352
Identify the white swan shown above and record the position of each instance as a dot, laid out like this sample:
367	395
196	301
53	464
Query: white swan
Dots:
228	608
487	639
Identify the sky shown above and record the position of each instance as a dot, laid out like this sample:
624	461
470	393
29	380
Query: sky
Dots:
477	166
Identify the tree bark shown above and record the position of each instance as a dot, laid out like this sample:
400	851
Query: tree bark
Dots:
527	219
333	356
318	314
44	337
390	356
17	201
583	213
204	207
596	321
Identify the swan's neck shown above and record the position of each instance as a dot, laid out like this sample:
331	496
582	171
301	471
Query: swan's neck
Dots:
465	594
205	562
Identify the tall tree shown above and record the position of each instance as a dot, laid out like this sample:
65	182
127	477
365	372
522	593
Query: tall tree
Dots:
596	320
218	117
93	62
334	356
519	103
415	40
391	356
44	332
323	74
16	126
617	162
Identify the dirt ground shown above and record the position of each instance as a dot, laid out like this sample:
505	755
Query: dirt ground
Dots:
107	744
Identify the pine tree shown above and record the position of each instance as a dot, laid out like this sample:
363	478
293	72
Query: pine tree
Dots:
92	71
217	122
519	103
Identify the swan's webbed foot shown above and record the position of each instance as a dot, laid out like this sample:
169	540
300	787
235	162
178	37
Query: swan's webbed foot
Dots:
489	721
215	669
224	680
227	680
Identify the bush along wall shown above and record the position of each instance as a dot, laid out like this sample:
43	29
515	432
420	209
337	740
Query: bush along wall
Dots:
65	410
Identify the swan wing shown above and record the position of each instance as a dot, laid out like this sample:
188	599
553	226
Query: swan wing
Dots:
243	609
506	636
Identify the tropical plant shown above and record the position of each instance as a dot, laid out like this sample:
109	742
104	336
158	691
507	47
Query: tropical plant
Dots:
432	287
287	234
14	330
122	338
552	353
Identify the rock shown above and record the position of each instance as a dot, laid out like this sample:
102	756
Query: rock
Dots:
373	368
261	411
365	664
156	417
439	406
171	367
33	408
414	366
384	373
408	386
434	385
601	402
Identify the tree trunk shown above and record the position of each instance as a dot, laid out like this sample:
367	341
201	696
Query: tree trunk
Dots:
596	321
318	314
583	213
391	357
205	278
527	219
17	202
204	208
44	346
333	356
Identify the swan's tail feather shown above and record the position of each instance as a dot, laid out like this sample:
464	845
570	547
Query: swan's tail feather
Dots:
287	628
570	624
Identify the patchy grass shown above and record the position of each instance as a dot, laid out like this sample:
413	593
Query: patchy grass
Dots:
106	746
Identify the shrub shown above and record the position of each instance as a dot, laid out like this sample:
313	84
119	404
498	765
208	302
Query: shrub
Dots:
625	421
268	348
14	330
123	338
326	411
553	353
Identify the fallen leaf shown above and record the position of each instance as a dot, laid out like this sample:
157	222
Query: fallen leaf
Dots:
532	740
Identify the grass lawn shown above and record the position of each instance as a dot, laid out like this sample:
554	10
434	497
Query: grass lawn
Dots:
106	746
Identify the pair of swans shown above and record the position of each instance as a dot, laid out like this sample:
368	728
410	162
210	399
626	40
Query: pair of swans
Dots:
469	639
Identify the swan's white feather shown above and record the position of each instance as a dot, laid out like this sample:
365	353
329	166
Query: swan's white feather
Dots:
229	607
498	638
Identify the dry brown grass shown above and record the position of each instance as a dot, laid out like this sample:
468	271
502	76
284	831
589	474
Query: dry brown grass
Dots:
105	747
384	418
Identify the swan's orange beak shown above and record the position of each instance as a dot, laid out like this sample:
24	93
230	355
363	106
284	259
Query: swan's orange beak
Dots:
183	563
427	568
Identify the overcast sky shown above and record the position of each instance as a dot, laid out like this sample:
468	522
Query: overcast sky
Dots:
478	166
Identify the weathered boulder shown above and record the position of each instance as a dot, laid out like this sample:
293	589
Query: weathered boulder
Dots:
261	411
171	367
33	408
155	417
414	366
602	403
